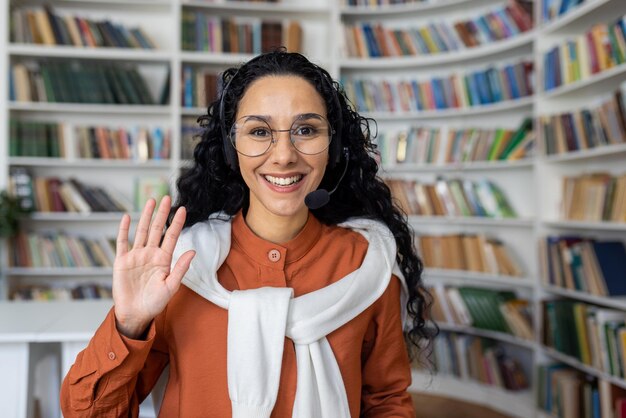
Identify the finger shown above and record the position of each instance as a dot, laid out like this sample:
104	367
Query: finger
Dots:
173	232
121	246
156	229
178	272
144	223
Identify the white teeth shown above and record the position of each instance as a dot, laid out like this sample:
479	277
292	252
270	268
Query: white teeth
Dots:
283	181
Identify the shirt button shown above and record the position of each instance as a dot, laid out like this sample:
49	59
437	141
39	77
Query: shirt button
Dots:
273	255
111	355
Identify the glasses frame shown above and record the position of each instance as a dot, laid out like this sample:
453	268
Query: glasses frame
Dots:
232	140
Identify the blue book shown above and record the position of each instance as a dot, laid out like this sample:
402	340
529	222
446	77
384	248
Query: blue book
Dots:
474	97
510	75
157	143
494	85
611	256
595	403
418	96
434	34
483	26
440	102
483	87
372	43
256	37
187	77
11	86
419	41
510	26
547	66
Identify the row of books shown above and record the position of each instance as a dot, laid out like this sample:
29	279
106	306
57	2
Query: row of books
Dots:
593	335
471	252
190	137
55	250
453	197
53	194
45	293
41	25
200	86
594	197
493	310
461	90
36	139
375	3
373	40
601	48
442	145
56	195
551	9
602	124
567	392
137	143
479	359
79	82
583	264
206	32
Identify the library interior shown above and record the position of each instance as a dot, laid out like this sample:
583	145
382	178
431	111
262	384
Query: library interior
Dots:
500	130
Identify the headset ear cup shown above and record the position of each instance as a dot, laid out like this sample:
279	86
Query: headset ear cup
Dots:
230	155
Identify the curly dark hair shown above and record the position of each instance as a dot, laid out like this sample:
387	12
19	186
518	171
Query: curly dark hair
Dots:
210	185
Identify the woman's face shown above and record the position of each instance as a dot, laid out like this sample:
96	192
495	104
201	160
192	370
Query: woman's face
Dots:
281	178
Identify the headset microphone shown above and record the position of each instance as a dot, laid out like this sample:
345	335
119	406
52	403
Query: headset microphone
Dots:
320	197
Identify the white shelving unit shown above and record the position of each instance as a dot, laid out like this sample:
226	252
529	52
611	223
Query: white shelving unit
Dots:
533	185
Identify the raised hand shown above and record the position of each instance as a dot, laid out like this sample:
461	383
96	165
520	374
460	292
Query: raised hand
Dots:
143	282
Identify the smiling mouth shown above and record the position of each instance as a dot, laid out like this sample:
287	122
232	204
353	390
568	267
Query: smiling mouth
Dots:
284	181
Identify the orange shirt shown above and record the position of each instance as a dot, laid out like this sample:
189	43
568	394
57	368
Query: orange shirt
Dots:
114	374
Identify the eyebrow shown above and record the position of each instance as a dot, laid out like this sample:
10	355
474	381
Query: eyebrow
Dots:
268	118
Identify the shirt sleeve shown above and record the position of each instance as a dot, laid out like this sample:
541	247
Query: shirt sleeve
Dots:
386	367
113	374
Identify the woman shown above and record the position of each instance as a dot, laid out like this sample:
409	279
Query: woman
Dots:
282	311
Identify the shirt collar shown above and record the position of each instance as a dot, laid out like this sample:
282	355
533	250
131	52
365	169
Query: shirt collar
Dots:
258	249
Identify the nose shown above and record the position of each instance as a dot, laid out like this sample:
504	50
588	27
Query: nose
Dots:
282	151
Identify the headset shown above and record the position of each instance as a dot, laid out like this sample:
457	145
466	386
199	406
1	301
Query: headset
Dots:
335	147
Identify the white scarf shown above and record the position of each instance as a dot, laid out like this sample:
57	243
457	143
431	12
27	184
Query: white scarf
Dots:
259	320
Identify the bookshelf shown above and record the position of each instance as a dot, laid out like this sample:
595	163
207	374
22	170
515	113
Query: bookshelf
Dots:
532	185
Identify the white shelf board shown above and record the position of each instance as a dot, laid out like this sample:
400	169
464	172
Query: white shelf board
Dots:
399	9
59	271
193	111
586	154
426	60
463	166
65	51
118	3
517	404
572	16
88	163
471	220
581	366
494	335
525	102
250	6
88	108
79	217
467	278
604	226
205	57
618	73
611	302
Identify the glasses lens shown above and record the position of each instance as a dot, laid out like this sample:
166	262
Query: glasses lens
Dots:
251	136
310	134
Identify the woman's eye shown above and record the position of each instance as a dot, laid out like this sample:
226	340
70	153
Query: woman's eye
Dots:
260	132
305	131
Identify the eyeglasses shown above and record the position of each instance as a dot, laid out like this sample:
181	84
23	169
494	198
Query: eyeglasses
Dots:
253	136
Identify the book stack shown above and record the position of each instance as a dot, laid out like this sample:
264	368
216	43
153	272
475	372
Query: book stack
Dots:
471	252
602	124
456	91
583	264
136	143
478	359
58	250
594	197
190	136
454	197
199	86
78	82
41	25
36	139
46	293
373	40
554	8
206	32
52	194
422	145
601	48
